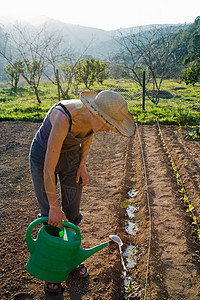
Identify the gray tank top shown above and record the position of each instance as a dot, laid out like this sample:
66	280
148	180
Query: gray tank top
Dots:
70	143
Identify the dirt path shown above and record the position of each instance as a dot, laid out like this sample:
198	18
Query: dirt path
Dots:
115	166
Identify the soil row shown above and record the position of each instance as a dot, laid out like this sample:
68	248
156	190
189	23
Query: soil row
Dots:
115	166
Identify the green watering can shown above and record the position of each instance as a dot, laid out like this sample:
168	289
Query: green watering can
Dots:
56	251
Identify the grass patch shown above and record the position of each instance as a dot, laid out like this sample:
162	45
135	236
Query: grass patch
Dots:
181	108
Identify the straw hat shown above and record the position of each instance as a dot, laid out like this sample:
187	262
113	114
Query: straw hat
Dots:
112	109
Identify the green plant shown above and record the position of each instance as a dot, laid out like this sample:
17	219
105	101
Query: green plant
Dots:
192	73
13	72
130	285
194	135
190	208
183	116
182	191
91	70
133	250
185	198
194	220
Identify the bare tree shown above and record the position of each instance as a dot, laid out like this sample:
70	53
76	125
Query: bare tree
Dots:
151	51
63	63
29	47
54	57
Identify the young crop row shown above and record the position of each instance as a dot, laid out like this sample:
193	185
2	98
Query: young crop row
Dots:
185	197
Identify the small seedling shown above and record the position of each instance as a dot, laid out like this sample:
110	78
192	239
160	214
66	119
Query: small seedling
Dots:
185	198
194	220
130	285
133	250
182	191
190	208
175	170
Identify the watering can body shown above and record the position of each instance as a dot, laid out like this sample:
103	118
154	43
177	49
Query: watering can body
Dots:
56	251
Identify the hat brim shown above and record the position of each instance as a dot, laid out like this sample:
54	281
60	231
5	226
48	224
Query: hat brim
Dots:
125	127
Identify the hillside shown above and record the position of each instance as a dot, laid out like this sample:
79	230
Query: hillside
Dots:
100	43
93	42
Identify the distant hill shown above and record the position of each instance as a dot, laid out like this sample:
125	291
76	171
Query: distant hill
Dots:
100	43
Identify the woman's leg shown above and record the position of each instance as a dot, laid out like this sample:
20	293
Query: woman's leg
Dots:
71	196
70	190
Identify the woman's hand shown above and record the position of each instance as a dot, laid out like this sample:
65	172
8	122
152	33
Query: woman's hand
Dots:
82	176
56	216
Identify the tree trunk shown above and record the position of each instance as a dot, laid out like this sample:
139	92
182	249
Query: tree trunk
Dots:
58	84
64	93
37	95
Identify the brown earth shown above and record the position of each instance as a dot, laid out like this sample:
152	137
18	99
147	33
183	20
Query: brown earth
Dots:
115	166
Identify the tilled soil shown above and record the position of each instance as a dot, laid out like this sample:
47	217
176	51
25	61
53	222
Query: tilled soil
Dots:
115	165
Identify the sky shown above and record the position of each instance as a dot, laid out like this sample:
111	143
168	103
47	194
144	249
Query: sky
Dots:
104	14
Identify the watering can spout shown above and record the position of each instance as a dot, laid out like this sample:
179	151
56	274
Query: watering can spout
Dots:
85	253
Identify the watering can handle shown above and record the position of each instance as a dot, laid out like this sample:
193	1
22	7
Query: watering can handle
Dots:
31	242
74	227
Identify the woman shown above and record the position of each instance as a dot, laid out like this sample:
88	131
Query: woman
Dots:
60	149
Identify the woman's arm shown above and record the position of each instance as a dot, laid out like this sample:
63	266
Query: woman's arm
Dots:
82	172
60	126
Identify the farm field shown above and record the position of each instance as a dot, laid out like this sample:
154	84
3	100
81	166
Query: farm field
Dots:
115	166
